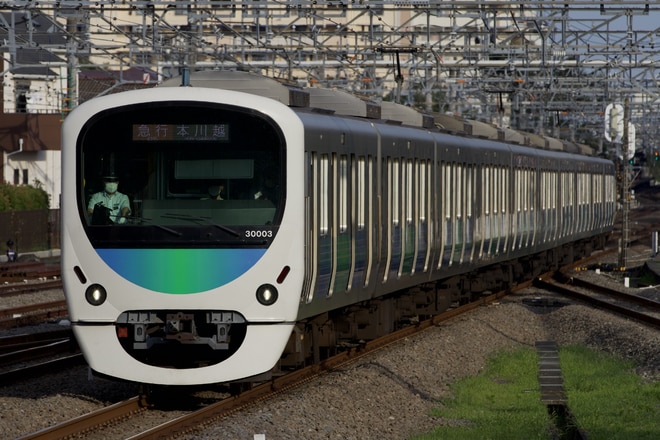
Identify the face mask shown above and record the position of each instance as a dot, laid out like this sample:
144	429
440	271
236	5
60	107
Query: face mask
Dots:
111	187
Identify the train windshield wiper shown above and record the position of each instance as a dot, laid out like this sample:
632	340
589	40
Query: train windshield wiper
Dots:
150	222
206	220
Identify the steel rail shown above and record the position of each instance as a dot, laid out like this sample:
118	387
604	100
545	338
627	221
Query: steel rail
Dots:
20	288
292	380
32	371
15	317
90	421
262	391
596	302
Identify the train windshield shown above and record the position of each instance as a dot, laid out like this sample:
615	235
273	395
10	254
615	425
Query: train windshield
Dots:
181	174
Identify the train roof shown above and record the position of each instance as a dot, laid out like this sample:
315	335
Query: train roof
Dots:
340	102
246	82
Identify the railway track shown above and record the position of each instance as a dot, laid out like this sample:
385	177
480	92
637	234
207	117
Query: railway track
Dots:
20	278
32	314
215	411
120	412
11	272
20	288
632	306
30	355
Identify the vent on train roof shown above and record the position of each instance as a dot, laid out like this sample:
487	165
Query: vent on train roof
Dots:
247	82
343	103
405	115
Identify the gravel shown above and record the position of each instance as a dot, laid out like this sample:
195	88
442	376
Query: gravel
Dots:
388	395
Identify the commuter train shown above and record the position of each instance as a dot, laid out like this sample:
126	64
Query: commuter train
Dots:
269	224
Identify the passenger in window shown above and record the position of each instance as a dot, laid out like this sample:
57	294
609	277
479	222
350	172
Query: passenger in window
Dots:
268	190
216	192
109	206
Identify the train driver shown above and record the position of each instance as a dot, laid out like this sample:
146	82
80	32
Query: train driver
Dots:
109	206
216	192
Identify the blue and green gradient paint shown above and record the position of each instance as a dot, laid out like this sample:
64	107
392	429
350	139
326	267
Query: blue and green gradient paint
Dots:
180	271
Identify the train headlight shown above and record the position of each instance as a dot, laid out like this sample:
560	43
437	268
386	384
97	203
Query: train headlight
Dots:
267	294
96	294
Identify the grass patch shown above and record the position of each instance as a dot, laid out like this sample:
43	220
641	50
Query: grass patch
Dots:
607	399
501	403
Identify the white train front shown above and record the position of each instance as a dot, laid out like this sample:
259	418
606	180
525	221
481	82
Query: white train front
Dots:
256	221
188	281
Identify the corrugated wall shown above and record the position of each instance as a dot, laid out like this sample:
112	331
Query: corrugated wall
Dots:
31	231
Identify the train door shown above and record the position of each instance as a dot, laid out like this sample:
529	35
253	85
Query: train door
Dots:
523	207
611	198
330	240
483	223
362	200
601	212
456	214
597	213
586	201
566	217
533	206
579	199
423	208
447	225
321	240
393	236
554	209
548	205
519	208
341	238
503	213
572	203
463	215
339	212
409	227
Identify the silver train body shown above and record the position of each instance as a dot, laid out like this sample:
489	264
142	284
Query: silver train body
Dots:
255	206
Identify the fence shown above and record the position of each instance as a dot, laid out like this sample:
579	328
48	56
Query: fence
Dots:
31	231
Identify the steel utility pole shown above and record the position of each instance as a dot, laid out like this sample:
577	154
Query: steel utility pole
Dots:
625	190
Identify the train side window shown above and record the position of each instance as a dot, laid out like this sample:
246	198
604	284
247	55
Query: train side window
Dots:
504	222
485	210
469	191
532	206
410	192
585	201
532	190
423	189
458	194
589	200
498	182
555	187
448	190
598	202
543	205
564	203
395	180
485	171
360	191
343	194
552	203
323	194
369	216
551	187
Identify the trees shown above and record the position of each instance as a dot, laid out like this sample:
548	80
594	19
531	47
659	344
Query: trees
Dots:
22	197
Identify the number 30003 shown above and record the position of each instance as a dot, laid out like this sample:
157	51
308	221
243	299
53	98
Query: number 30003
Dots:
258	234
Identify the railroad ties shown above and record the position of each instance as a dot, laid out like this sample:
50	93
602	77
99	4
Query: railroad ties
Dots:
13	272
550	378
553	394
